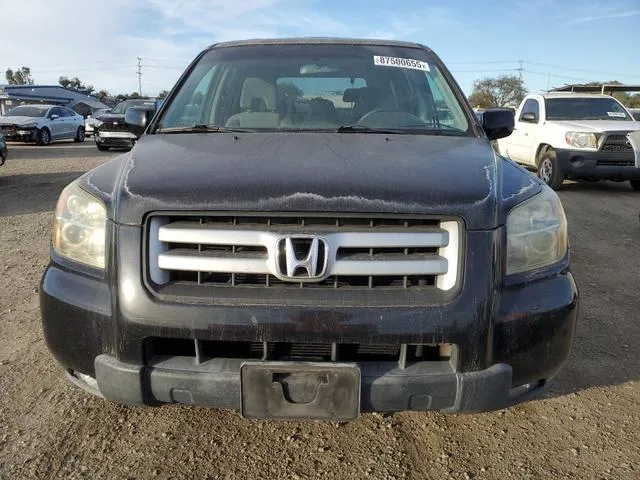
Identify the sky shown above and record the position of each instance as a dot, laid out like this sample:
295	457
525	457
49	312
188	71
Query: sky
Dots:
554	42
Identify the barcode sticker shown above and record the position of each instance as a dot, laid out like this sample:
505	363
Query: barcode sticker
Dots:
401	63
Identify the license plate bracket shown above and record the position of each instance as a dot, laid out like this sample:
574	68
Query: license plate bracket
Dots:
300	391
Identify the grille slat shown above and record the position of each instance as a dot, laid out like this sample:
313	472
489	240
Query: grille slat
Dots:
158	348
242	251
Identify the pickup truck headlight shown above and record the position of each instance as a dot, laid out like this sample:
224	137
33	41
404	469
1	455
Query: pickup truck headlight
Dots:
536	233
79	230
581	139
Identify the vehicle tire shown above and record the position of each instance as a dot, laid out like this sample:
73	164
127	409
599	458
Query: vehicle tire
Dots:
549	170
43	137
102	148
635	184
79	138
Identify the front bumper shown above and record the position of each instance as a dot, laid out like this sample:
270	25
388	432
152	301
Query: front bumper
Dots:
598	165
114	139
21	135
217	384
507	336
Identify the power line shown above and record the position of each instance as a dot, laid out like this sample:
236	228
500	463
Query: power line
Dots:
487	71
480	62
547	74
595	72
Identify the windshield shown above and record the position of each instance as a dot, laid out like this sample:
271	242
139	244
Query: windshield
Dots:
317	87
28	111
122	107
582	108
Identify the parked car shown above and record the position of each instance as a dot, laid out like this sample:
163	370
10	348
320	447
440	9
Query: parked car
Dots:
4	152
574	136
635	112
111	129
93	119
42	124
357	254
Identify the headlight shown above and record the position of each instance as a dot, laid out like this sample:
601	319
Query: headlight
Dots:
79	229
536	233
29	125
581	139
96	123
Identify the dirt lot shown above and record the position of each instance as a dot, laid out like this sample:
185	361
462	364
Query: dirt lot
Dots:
586	426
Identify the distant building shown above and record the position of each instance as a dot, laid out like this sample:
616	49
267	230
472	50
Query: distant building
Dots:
12	95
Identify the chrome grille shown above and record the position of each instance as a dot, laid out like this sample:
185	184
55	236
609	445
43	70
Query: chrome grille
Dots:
362	253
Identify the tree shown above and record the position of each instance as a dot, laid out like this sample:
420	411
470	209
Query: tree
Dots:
21	76
75	84
163	94
100	94
503	91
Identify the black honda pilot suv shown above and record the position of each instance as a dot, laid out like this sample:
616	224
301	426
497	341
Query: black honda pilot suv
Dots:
308	229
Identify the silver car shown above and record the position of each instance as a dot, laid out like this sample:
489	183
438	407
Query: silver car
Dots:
42	124
92	120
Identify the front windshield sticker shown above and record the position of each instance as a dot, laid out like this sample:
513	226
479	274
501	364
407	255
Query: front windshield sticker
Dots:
400	63
617	114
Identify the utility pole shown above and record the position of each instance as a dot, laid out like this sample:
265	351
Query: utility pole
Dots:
520	69
139	76
549	83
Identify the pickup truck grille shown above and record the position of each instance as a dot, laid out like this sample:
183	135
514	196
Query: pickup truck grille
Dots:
270	252
617	143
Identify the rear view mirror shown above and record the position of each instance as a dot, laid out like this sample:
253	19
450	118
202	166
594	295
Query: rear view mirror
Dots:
498	122
138	118
529	117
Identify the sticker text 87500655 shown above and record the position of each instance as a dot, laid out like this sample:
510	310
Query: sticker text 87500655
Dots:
401	63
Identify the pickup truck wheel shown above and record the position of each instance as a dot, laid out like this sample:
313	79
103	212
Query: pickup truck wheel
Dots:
102	148
635	184
79	135
549	171
43	137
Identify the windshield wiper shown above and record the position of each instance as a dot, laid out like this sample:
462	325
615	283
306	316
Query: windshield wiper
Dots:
418	130
356	128
202	128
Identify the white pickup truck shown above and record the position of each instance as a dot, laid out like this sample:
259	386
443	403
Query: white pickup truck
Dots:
574	136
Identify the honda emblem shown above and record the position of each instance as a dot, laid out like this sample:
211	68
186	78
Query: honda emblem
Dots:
302	258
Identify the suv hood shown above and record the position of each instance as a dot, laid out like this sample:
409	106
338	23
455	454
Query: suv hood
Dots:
19	120
310	172
111	117
597	125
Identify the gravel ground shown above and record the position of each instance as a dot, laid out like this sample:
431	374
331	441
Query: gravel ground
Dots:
586	426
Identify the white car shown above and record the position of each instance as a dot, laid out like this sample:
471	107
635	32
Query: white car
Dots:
574	136
92	120
42	124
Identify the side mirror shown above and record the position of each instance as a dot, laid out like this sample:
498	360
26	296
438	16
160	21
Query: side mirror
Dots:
498	123
54	116
137	118
529	117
